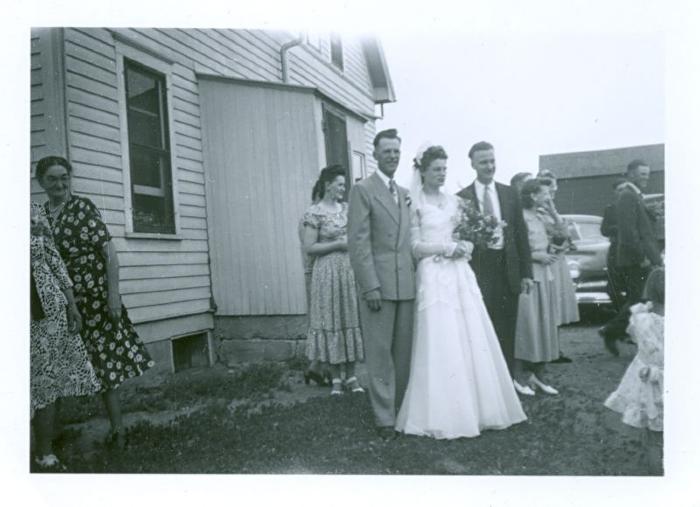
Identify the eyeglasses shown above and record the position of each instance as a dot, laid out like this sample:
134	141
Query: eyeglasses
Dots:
54	179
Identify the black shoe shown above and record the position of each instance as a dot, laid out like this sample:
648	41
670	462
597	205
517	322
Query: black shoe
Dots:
387	433
610	342
562	359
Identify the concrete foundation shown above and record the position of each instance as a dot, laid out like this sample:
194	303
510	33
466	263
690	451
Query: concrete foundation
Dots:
252	339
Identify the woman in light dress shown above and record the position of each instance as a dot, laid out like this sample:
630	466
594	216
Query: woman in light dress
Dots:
536	332
459	383
334	335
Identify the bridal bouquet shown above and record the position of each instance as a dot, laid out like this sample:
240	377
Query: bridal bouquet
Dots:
473	226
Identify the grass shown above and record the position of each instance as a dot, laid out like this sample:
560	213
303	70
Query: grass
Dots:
569	434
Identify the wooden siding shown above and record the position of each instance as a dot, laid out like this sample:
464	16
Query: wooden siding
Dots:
47	132
160	279
164	278
261	152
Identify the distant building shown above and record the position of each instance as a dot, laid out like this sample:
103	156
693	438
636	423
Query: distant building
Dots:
200	147
585	178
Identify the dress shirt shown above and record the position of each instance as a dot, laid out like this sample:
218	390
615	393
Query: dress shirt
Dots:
480	188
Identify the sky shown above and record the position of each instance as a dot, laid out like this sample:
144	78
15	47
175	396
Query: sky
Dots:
527	94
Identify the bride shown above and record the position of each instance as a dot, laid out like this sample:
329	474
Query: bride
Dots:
459	383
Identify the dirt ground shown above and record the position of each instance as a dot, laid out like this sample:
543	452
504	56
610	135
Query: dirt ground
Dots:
216	420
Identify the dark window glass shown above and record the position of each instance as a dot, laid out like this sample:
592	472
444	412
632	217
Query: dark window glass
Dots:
149	150
337	51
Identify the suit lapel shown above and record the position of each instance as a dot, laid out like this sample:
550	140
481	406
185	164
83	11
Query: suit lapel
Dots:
382	194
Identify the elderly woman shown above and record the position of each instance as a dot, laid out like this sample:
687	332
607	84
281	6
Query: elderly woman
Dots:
82	239
536	332
334	335
59	363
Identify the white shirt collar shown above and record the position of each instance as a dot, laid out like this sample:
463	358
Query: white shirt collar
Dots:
383	177
480	187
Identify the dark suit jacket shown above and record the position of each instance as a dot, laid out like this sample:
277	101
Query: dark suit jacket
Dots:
516	246
636	240
608	227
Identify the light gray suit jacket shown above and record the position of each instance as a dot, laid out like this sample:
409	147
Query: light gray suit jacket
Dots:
379	241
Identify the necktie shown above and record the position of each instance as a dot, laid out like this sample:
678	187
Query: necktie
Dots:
487	204
392	189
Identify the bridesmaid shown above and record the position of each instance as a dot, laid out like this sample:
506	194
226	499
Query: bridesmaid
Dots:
560	243
536	332
84	243
334	335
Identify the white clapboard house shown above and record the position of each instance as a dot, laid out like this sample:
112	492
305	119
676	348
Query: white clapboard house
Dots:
201	147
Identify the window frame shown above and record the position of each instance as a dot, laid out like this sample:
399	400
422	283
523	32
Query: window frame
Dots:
150	62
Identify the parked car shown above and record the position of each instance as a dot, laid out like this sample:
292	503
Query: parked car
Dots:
588	260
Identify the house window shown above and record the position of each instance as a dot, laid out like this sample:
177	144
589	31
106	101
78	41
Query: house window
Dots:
336	140
337	51
359	167
149	149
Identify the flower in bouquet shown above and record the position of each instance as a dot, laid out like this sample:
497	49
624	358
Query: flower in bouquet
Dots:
475	227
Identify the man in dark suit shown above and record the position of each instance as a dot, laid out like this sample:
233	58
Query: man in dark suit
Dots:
608	228
504	269
637	249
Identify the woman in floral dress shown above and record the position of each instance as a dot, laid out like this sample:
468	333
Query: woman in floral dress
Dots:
60	366
334	335
82	239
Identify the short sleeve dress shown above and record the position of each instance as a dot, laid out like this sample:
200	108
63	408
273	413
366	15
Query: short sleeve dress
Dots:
640	401
334	334
536	335
116	351
60	366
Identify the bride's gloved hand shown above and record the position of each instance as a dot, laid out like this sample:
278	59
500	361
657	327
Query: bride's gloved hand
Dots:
463	249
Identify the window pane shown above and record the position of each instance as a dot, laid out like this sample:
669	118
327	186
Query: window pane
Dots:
145	167
151	214
142	90
145	129
337	51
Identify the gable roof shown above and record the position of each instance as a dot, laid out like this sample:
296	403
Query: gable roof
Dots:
602	162
378	71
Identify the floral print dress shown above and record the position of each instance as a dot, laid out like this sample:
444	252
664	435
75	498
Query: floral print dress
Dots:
116	351
334	334
60	366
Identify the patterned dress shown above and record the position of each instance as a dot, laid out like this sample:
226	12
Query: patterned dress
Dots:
640	400
60	366
334	326
115	349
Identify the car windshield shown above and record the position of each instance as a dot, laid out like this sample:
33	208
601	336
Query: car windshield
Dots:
585	230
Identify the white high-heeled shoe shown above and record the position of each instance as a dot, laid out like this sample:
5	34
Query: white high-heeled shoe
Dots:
526	390
541	385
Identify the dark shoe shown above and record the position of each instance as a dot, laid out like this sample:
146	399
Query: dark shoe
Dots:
316	377
562	359
387	433
116	440
610	342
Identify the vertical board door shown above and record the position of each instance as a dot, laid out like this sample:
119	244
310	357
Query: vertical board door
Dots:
261	162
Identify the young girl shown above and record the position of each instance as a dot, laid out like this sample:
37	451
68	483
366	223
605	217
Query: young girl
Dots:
639	397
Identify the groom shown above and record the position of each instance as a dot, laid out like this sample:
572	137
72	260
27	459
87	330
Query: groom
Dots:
380	253
503	270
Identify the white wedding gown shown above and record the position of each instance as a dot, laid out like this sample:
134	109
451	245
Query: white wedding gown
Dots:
459	383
